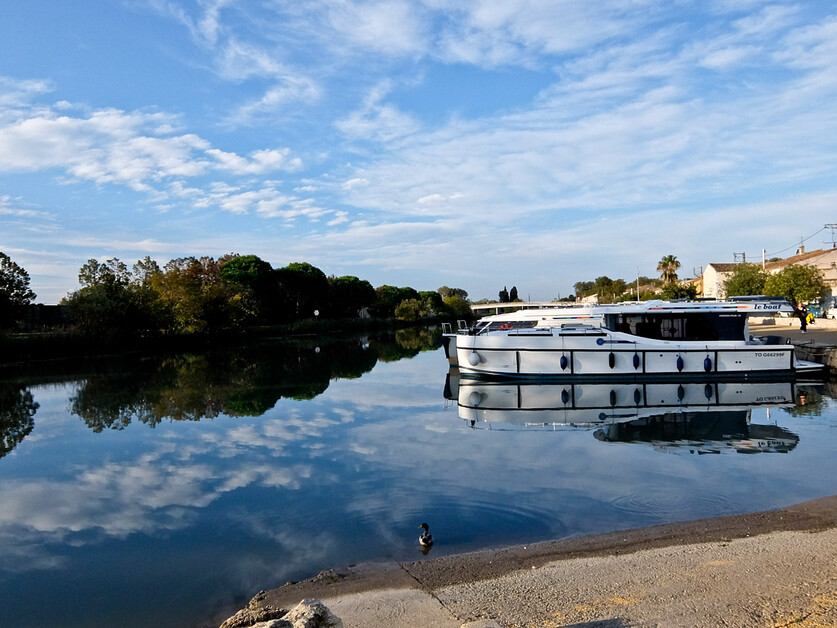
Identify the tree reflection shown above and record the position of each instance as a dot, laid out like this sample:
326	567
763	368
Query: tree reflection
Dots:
17	411
245	381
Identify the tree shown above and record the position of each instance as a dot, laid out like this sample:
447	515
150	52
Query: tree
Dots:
15	293
389	297
446	292
668	268
112	301
458	306
145	270
799	283
745	279
433	303
412	310
96	273
253	284
672	291
503	295
305	289
196	297
584	288
513	294
348	295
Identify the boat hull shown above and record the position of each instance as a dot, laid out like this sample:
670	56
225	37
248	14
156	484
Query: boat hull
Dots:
599	353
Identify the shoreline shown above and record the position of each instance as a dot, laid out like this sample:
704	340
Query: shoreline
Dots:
445	591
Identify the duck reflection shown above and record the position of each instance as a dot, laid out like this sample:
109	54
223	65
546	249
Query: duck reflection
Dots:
699	417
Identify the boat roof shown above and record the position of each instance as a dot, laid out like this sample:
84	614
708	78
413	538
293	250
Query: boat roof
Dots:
757	307
753	306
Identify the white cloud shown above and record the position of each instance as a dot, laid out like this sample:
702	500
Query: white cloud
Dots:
376	121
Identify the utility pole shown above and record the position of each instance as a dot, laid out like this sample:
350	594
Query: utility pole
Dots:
833	227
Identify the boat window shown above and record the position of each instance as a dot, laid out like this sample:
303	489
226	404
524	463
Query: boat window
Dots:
677	326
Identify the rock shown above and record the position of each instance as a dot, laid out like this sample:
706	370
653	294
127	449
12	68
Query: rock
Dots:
310	613
252	616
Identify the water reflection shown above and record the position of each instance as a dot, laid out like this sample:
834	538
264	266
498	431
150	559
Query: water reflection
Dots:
705	432
17	411
696	417
244	381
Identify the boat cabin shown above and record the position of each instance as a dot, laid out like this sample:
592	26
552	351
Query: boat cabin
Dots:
680	325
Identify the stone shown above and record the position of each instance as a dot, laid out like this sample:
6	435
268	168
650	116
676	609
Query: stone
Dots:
253	616
311	613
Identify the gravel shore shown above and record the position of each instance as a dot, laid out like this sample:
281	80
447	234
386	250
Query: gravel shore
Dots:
775	568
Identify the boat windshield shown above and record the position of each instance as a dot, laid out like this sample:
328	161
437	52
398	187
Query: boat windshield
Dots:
680	326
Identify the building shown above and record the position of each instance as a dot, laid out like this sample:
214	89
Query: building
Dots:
714	276
825	260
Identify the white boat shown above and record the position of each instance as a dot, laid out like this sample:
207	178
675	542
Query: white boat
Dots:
525	318
653	338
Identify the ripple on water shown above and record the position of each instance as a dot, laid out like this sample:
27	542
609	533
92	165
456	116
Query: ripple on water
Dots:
674	504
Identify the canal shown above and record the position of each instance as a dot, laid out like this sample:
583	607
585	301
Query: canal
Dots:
168	490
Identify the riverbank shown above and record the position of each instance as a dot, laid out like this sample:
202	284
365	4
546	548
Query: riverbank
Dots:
775	568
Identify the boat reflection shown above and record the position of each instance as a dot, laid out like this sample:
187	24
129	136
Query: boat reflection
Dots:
699	417
702	432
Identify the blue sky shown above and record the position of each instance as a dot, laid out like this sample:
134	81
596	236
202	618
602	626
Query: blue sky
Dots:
424	143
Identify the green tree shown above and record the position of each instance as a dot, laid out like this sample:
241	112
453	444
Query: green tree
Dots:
457	306
412	310
145	270
745	279
110	272
433	302
800	283
304	288
584	288
253	285
609	290
503	295
446	292
513	294
673	291
388	298
112	302
668	266
198	300
15	293
348	295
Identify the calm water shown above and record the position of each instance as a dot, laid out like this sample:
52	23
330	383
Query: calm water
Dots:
168	491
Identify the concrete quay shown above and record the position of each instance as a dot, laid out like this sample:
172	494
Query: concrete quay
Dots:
817	344
771	569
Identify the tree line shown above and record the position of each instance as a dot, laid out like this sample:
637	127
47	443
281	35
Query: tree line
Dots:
206	295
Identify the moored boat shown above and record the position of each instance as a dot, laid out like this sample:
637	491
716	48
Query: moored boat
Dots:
653	338
525	318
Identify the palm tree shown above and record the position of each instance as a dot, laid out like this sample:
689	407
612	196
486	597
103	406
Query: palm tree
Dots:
668	268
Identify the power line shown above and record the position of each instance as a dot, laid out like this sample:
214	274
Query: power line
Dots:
802	241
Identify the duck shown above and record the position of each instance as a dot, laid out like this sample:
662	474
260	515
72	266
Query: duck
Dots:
425	539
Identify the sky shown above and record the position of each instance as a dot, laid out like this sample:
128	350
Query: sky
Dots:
473	144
